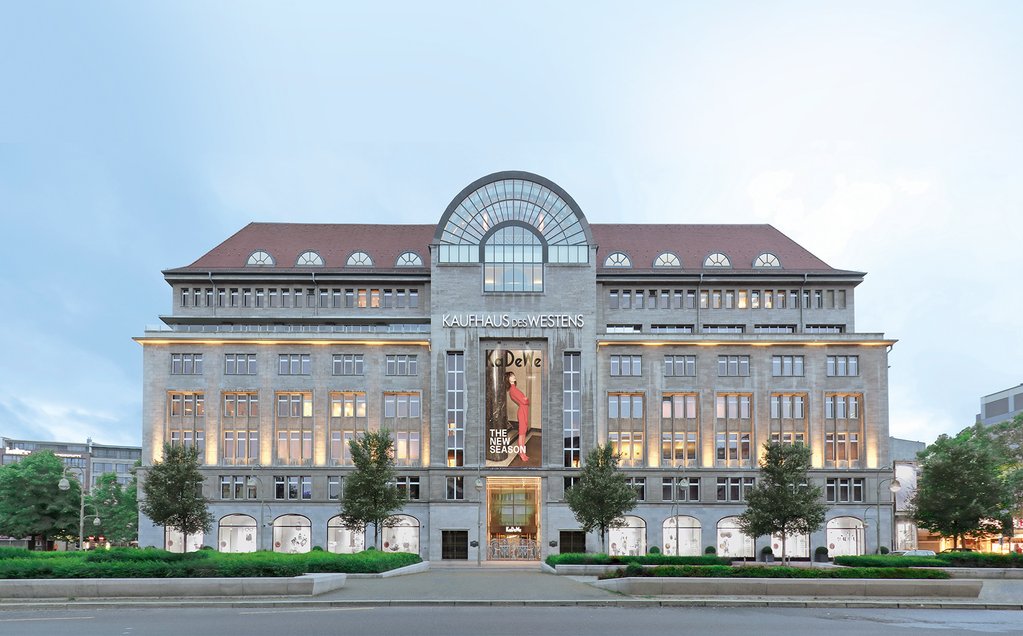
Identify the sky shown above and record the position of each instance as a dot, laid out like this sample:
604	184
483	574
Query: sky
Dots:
885	137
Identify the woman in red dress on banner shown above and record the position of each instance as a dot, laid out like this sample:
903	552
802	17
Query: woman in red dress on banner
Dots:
518	411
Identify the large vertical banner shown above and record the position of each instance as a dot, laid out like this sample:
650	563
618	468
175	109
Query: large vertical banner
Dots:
514	379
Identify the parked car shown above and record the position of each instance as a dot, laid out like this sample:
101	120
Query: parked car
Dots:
912	553
958	550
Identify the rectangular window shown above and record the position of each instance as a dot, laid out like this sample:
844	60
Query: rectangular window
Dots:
348	364
680	488
788	418
237	487
454	488
824	329
843	365
784	366
569	482
639	485
240	426
572	408
401	365
733	489
294	364
626	365
294	428
335	487
612	299
680	429
186	420
455	397
670	328
844	490
733	366
626	422
293	487
723	328
408	486
843	429
680	366
186	364
733	430
402	416
347	423
239	364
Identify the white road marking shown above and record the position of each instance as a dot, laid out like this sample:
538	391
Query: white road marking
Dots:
53	618
330	609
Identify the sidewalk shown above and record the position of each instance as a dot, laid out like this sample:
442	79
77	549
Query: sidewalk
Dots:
469	585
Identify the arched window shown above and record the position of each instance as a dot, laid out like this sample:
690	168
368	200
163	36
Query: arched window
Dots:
681	536
237	533
630	539
359	259
845	536
732	542
797	546
717	259
174	541
667	259
513	260
766	260
259	258
409	259
402	534
617	259
341	540
309	259
292	534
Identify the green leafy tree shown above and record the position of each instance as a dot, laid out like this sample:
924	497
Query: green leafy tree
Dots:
1008	438
173	492
31	503
602	496
962	490
117	507
783	502
370	493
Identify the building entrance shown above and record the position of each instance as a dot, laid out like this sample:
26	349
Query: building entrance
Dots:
513	518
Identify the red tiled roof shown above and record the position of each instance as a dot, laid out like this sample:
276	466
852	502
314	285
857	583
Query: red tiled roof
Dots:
384	243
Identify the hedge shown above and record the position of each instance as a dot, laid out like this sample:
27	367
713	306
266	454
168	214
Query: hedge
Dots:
778	572
577	558
944	560
152	563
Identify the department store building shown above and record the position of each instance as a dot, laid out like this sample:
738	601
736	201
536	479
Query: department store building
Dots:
498	346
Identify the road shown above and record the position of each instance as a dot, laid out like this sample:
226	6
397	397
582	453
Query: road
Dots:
508	621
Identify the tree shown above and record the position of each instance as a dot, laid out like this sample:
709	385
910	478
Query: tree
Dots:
961	491
602	495
117	508
370	493
173	492
30	502
783	502
1008	439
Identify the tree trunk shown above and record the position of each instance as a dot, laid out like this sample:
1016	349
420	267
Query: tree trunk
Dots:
784	558
603	535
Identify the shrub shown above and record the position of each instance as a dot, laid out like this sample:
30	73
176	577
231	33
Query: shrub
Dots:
785	572
883	550
578	558
633	570
654	550
767	551
820	551
889	561
710	550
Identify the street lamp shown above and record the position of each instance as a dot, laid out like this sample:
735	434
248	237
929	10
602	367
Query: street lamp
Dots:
65	485
479	523
894	486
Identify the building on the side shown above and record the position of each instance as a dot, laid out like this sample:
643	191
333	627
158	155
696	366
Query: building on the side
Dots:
904	459
499	346
1001	406
87	461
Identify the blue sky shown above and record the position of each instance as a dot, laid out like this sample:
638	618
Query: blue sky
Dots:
885	137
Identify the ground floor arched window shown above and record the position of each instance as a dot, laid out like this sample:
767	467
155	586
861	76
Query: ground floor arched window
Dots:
292	533
845	536
796	546
237	533
174	541
402	534
341	540
629	539
732	541
681	536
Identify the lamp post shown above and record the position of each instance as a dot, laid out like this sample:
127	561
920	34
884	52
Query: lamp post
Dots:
479	522
894	486
65	485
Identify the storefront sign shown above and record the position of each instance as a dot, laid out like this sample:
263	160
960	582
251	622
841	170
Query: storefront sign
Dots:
507	321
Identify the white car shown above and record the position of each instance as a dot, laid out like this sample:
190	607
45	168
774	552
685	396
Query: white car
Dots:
913	553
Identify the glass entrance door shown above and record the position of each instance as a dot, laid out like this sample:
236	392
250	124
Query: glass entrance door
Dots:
513	518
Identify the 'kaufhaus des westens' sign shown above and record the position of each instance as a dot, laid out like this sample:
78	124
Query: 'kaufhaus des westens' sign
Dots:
529	321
